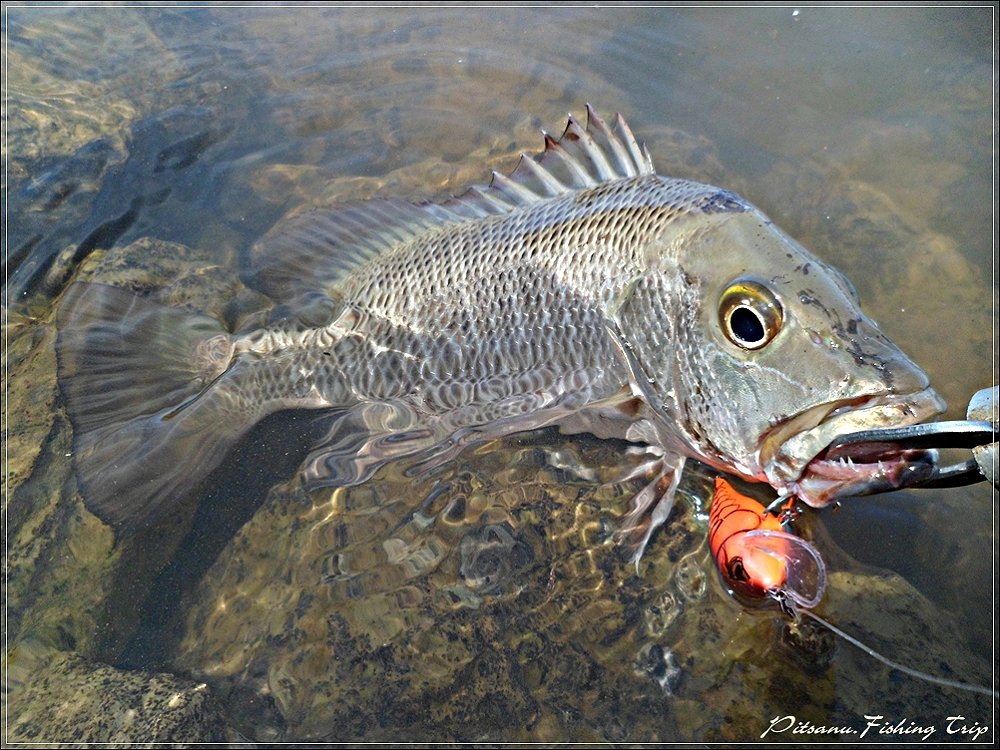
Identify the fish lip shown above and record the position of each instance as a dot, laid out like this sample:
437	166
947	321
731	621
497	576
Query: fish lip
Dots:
794	454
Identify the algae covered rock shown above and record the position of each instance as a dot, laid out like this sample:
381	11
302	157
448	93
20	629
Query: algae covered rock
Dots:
66	698
494	602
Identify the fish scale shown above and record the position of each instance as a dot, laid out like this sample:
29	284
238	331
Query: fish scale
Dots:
584	290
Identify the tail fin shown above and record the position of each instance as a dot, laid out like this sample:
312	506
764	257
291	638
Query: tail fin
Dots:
148	422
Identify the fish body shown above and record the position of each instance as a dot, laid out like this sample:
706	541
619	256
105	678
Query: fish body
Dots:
584	290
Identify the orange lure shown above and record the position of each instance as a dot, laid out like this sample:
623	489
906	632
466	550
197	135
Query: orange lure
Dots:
759	560
755	556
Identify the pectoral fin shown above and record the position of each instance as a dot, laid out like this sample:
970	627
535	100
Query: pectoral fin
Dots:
651	505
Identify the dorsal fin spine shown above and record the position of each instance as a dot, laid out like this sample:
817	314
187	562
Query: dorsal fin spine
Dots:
593	151
641	159
550	184
510	188
578	175
491	198
596	124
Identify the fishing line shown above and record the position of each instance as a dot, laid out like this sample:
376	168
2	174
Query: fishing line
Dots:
900	667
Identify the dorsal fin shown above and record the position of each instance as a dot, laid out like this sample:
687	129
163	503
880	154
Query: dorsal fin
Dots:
309	251
594	154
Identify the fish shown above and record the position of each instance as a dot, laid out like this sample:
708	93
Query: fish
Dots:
582	291
754	554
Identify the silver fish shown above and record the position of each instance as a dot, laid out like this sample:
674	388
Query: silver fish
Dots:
584	291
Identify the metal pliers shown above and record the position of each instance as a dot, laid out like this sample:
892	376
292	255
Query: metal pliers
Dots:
978	432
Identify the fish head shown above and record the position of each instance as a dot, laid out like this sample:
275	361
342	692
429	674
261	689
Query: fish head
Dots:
758	355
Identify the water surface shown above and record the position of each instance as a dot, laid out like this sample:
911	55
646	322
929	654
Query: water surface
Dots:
155	145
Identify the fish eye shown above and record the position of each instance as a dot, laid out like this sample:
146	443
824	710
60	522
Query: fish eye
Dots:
736	570
750	314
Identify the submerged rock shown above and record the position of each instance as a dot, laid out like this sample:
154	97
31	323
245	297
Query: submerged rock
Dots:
73	592
65	698
501	609
492	559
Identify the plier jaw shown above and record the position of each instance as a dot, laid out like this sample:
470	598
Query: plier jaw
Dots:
978	434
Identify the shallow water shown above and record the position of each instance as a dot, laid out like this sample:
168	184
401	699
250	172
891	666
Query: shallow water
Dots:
499	606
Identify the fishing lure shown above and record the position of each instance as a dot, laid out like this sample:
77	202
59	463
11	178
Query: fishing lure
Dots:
760	561
757	558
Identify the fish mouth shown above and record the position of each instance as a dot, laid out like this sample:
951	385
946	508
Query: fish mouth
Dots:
797	458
